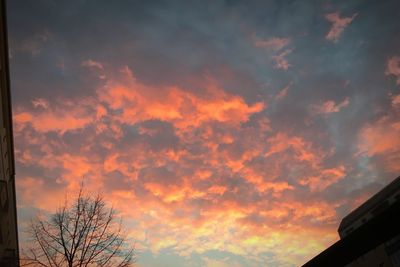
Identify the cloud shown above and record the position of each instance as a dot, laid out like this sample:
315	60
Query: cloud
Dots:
33	44
209	262
283	93
40	102
189	125
330	106
92	64
393	68
395	101
326	178
276	46
53	118
282	142
339	24
380	137
183	109
32	189
198	171
274	43
281	61
140	103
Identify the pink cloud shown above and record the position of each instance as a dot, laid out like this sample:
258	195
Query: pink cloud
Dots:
274	43
34	44
396	101
92	64
281	61
330	106
393	68
40	102
338	25
283	93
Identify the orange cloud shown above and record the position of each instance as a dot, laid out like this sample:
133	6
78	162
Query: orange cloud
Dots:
140	103
380	137
188	171
58	122
326	178
22	118
183	109
34	193
302	150
216	189
60	117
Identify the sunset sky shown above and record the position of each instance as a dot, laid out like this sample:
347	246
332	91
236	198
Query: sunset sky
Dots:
225	133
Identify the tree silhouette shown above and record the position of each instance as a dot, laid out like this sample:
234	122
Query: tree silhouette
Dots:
82	234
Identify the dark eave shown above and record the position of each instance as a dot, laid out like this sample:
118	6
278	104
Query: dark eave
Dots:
370	204
378	230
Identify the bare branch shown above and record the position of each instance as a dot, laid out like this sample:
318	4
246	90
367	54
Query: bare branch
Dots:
82	234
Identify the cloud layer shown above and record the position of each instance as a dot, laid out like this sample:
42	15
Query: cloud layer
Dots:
225	134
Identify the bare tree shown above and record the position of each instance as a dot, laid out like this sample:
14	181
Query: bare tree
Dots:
82	234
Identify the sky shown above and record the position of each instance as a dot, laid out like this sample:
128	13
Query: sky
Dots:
224	132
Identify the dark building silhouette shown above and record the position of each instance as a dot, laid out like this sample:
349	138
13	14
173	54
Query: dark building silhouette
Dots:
8	218
369	235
